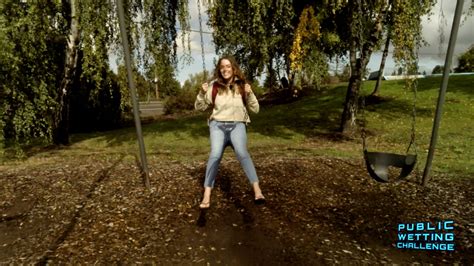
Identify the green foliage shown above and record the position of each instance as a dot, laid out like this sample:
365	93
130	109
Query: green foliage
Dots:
144	87
406	31
96	106
306	33
33	38
31	57
315	69
194	81
167	83
466	61
185	97
311	29
346	73
362	24
158	30
280	36
271	82
259	40
438	69
181	102
97	33
257	89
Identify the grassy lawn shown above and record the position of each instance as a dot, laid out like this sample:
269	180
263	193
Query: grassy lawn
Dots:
308	127
392	122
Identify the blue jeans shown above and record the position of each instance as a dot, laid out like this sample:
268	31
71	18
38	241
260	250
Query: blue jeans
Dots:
225	134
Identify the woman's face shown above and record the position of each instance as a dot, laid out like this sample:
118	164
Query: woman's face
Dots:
226	70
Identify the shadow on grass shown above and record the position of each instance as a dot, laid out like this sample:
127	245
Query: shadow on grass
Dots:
195	126
311	115
393	109
319	112
315	116
456	84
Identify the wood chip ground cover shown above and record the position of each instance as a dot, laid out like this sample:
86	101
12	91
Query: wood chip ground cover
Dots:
319	210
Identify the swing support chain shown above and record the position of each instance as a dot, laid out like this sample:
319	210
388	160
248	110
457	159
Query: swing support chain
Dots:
377	163
202	40
413	124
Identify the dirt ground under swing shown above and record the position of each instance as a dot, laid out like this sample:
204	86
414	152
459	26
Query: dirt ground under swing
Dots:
319	210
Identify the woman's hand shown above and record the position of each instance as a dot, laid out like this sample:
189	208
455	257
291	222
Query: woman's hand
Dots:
248	89
204	87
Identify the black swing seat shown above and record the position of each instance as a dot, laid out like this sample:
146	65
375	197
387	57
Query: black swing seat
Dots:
378	162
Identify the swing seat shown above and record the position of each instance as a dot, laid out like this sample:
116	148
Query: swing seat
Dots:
378	162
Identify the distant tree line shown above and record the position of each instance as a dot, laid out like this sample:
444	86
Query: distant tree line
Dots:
465	63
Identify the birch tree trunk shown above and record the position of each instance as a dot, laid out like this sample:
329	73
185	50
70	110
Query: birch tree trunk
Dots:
359	53
61	121
382	66
351	103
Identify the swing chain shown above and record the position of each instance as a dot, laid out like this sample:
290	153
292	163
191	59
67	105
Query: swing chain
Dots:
202	40
413	127
413	121
361	122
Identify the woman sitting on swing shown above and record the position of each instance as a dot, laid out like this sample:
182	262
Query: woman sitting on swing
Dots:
230	96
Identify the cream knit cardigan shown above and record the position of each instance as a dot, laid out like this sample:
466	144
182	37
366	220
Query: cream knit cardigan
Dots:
228	105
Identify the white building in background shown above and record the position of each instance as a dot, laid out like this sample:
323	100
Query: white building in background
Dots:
374	75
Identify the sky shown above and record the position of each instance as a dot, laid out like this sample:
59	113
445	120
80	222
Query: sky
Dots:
435	53
429	56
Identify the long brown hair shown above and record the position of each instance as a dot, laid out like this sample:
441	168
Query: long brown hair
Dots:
239	77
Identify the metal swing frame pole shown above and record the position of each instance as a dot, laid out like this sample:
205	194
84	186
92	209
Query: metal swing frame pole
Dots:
131	84
442	91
